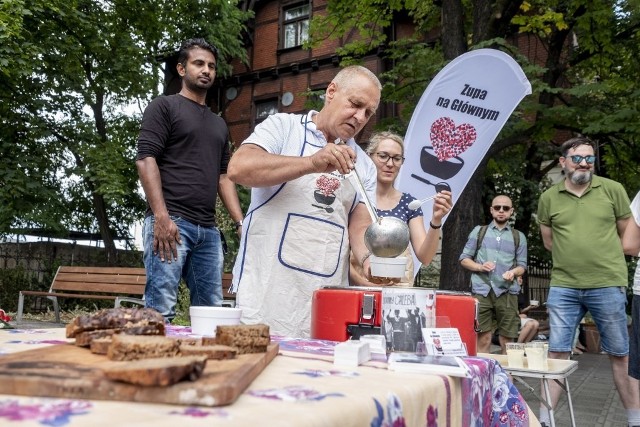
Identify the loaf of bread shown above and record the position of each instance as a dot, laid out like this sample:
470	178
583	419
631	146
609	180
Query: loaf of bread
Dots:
158	371
114	318
246	338
134	347
213	352
84	339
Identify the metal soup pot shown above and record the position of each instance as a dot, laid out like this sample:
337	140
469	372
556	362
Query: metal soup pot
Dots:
387	237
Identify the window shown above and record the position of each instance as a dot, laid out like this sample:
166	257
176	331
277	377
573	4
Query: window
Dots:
315	99
266	108
295	25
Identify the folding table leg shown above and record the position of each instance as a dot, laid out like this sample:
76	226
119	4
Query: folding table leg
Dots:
547	393
573	420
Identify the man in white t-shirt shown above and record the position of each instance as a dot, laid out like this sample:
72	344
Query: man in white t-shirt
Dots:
305	214
631	246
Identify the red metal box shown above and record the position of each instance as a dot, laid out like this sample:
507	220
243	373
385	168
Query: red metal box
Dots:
341	313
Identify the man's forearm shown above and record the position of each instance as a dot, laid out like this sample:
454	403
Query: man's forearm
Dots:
229	196
252	166
471	265
152	185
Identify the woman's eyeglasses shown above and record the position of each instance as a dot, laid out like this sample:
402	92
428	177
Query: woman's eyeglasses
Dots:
578	159
501	208
384	157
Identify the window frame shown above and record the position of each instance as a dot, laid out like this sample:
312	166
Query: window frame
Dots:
257	103
285	23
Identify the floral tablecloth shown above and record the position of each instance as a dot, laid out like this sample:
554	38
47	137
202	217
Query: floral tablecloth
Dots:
301	387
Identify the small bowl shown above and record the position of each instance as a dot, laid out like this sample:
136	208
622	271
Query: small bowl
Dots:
443	170
387	267
205	320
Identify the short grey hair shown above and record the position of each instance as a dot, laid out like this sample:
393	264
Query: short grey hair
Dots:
348	73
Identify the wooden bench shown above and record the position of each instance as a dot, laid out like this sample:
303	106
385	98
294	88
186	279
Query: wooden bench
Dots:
106	283
228	299
120	284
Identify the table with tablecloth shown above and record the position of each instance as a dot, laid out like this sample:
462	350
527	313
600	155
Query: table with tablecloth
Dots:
300	387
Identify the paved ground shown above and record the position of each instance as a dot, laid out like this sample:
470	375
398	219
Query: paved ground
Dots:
595	399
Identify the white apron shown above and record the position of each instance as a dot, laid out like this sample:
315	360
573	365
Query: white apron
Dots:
296	241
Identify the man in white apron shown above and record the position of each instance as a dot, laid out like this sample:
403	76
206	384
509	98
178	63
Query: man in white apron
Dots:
305	215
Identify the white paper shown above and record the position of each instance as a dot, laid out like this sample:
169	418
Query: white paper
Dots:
443	342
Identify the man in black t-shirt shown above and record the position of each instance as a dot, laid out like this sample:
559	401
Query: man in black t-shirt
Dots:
182	159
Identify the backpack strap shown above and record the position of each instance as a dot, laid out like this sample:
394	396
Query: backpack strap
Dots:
516	245
479	238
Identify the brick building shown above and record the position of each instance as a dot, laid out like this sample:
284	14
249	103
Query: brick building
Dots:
280	74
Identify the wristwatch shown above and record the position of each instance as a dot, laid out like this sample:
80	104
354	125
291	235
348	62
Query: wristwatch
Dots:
238	224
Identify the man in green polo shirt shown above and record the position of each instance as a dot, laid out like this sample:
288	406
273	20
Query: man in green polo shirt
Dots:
582	219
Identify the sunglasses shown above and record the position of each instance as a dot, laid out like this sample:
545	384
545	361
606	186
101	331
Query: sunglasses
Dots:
501	208
578	159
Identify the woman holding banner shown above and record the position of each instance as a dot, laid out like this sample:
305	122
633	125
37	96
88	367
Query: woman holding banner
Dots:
387	152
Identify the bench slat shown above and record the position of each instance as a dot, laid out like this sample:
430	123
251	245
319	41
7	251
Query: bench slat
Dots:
101	278
56	294
60	285
102	270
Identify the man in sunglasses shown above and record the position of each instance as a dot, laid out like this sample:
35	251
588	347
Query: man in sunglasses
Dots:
496	255
582	219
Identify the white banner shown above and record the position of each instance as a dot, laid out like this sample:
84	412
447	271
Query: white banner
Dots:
457	118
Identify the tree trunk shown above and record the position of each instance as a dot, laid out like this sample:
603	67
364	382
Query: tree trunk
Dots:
464	216
99	204
455	230
105	231
488	15
453	34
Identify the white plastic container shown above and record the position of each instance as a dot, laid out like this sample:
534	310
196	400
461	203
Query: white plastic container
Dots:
387	267
205	320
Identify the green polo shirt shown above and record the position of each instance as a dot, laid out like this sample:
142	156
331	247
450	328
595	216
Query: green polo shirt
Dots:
586	250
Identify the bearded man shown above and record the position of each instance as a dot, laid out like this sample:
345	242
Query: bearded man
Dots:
496	255
582	219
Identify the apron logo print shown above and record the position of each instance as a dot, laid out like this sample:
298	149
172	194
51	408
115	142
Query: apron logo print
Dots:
324	194
450	140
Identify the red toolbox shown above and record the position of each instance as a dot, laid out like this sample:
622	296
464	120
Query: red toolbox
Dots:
341	313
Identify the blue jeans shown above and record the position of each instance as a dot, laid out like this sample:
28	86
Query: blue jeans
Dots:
199	263
607	307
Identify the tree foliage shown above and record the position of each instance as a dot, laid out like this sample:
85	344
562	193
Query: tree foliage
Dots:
74	79
582	58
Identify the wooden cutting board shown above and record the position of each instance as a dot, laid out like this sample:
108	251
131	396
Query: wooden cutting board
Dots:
73	372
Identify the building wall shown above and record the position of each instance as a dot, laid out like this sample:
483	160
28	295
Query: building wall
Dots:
272	72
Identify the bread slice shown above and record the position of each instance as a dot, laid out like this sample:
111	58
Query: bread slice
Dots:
100	345
84	339
114	318
158	371
134	347
246	338
213	352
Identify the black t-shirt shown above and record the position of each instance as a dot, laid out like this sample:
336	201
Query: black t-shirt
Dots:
190	145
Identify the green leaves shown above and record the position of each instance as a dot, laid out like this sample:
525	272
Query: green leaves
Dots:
71	76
